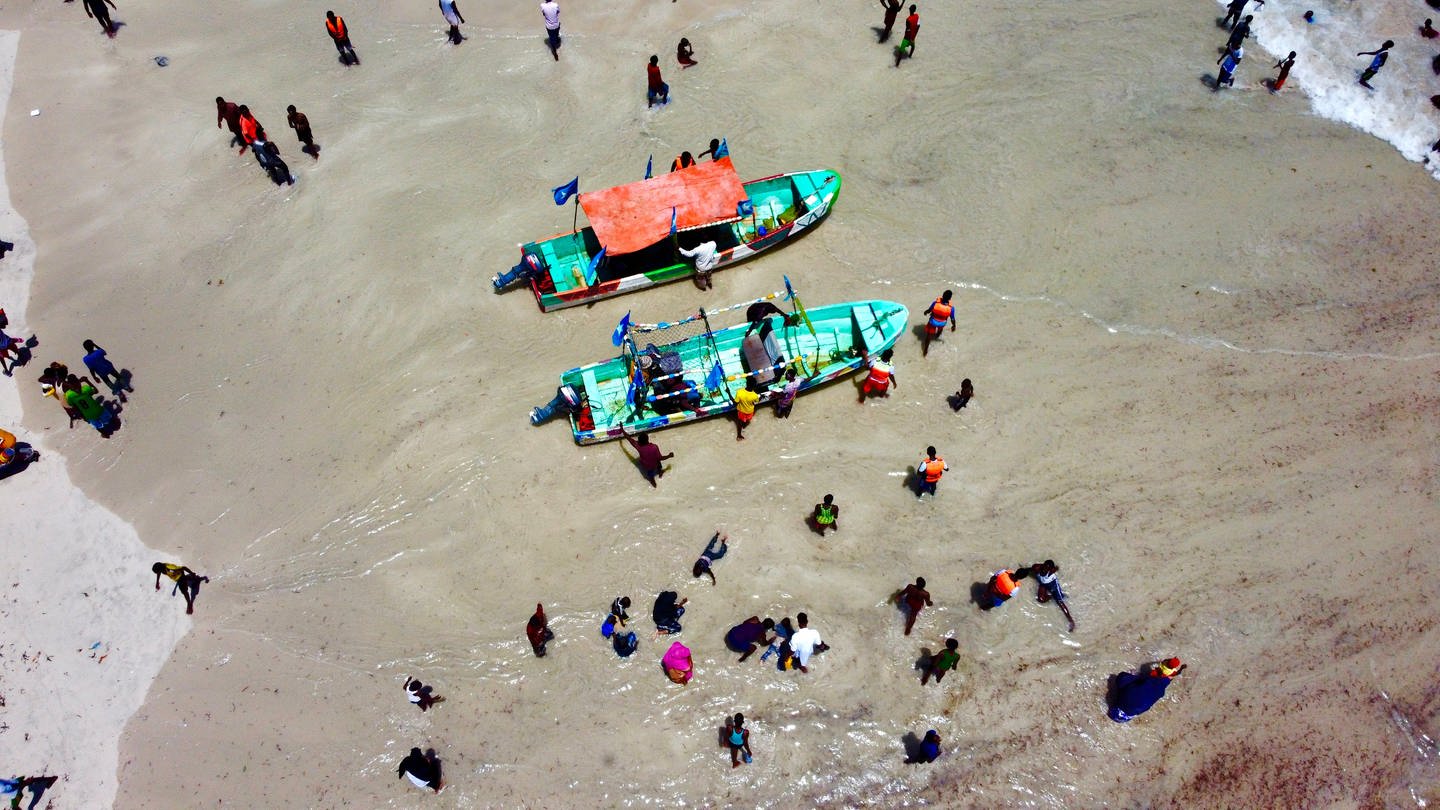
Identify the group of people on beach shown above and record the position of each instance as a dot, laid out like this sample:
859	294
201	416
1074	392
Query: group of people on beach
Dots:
250	134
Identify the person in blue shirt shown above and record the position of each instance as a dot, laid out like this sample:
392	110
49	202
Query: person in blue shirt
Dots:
1375	64
929	748
105	371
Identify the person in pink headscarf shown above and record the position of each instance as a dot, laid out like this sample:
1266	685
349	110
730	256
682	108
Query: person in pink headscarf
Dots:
679	666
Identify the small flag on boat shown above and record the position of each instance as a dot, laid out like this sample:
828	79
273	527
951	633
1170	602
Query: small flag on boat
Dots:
621	329
594	266
745	209
672	221
649	166
723	151
715	378
565	192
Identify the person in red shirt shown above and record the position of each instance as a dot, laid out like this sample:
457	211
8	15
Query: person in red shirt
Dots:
229	113
650	458
914	599
537	630
657	87
906	48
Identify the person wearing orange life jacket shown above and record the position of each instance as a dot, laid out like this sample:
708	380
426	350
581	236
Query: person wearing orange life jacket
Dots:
928	472
340	34
1002	586
881	377
250	129
684	161
940	312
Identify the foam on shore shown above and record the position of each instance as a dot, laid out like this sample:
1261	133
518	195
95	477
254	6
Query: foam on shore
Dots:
1398	111
86	633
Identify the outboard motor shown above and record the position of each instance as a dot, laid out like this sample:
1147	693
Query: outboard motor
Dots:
566	401
528	268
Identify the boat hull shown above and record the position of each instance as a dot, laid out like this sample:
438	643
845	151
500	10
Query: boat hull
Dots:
843	333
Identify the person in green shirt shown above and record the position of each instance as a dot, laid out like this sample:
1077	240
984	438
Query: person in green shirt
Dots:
80	395
942	662
745	401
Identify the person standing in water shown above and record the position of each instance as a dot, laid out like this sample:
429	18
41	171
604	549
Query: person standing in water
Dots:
229	112
745	401
550	11
928	472
655	87
301	125
942	662
651	461
340	34
706	256
881	377
892	10
187	582
1284	65
537	630
1235	9
1228	63
914	598
940	311
1047	574
826	516
1376	63
1239	33
906	48
738	738
785	401
451	13
95	10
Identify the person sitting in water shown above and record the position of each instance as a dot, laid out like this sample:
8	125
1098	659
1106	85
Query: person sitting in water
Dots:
420	694
1003	584
678	663
783	631
1428	31
929	750
963	396
826	516
684	54
1136	694
625	644
667	612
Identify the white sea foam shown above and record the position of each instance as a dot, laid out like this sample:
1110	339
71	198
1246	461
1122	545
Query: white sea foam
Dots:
85	633
1327	70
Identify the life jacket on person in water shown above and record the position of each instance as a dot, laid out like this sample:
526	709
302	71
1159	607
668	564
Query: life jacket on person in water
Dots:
880	372
337	28
1003	584
940	312
933	469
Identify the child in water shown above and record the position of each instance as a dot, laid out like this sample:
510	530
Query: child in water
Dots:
962	397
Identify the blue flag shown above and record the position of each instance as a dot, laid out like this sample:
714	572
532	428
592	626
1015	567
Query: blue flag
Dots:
649	167
594	266
715	379
565	192
723	151
619	336
635	383
745	208
672	220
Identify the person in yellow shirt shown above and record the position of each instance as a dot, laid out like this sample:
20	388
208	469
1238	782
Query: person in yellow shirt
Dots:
745	401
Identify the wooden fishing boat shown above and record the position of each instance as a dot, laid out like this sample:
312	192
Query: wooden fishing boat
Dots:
641	226
671	373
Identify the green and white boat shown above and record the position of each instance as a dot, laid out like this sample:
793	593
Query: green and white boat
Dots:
674	372
637	229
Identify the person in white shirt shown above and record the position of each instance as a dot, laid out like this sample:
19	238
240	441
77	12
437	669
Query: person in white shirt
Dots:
550	10
706	257
805	642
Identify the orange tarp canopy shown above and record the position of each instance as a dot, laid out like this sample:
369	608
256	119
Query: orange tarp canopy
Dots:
636	215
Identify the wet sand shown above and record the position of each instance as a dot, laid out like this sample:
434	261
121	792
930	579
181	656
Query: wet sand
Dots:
1193	392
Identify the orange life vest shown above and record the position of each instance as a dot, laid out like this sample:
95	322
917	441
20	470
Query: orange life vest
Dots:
940	312
1004	585
880	372
337	29
933	469
248	128
679	164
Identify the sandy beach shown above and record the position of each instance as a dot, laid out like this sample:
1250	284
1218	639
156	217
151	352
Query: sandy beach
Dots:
1201	327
